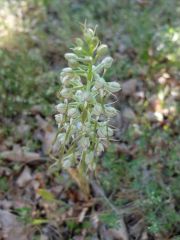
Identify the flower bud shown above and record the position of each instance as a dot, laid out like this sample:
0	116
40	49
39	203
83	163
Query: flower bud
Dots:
110	111
66	70
107	62
71	56
101	50
88	34
113	87
79	42
61	108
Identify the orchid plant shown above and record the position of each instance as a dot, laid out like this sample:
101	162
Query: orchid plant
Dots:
83	115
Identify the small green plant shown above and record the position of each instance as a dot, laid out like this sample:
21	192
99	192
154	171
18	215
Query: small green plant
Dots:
83	115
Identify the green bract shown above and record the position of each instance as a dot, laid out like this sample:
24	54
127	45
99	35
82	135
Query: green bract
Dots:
83	115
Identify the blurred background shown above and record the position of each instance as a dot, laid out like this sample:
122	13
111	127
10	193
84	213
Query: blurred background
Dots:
142	169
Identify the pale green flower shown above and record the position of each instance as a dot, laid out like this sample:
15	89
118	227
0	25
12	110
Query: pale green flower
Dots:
73	112
71	56
58	118
101	50
113	87
84	142
61	108
82	111
110	111
66	93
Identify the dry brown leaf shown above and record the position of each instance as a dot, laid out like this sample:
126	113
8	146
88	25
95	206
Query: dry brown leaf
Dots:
122	148
129	114
24	177
49	134
129	87
22	129
19	155
11	228
104	233
121	232
82	215
80	180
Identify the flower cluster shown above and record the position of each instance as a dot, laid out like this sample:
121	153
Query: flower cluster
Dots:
83	115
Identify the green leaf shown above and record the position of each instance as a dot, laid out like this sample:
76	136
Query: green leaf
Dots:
46	195
39	221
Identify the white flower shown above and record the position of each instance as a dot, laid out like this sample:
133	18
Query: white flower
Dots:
107	62
71	56
65	79
89	159
76	81
61	108
100	148
113	87
73	112
66	70
84	142
99	82
78	50
97	110
58	118
88	34
104	131
87	59
110	111
61	137
66	93
68	161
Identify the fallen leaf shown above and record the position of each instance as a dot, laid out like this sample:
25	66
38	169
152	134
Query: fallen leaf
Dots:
122	148
20	155
105	234
154	116
137	229
120	233
155	103
82	215
128	114
11	228
129	87
49	134
22	129
46	195
24	177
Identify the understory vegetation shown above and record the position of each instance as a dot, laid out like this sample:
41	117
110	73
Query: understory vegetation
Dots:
138	174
